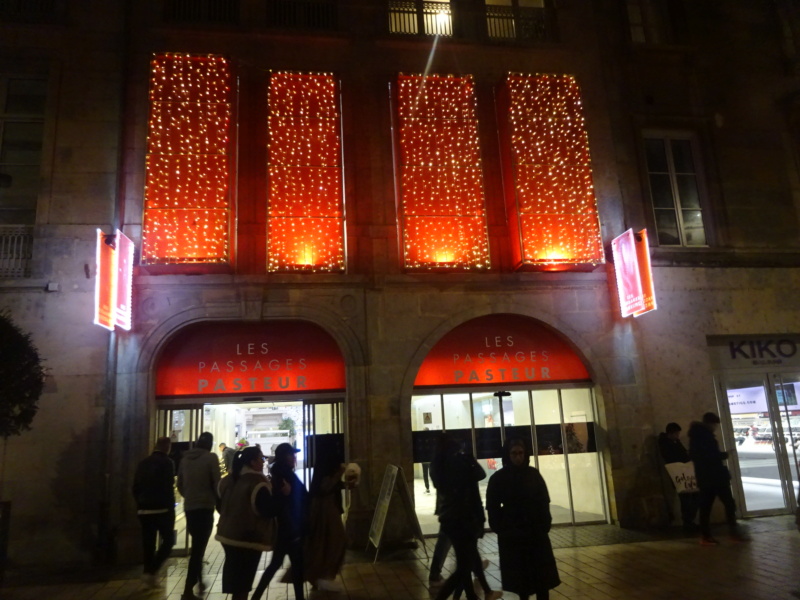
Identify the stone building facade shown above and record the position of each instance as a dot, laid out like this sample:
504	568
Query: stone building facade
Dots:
723	78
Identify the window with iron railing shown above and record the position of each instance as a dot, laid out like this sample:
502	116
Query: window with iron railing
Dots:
32	11
16	245
223	12
303	14
421	17
517	20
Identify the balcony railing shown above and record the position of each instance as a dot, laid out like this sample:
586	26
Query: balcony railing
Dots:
302	14
414	17
32	11
221	12
510	23
16	245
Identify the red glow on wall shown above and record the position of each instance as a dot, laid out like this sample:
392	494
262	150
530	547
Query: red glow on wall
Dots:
305	215
187	216
442	206
247	359
552	206
500	349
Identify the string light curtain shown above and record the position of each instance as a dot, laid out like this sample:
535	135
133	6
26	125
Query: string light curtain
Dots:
442	205
305	213
552	207
187	212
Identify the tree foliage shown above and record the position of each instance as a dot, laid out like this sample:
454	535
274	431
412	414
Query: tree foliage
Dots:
21	378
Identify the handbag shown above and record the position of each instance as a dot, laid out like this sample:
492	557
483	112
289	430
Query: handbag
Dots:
683	477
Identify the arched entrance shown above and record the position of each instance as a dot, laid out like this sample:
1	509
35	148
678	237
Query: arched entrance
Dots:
501	376
253	383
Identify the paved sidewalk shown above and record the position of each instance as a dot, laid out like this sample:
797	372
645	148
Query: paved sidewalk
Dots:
598	562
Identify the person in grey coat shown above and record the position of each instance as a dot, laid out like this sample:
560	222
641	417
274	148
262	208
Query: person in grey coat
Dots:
198	476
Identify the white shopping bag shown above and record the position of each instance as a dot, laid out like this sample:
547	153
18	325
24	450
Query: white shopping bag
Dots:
682	475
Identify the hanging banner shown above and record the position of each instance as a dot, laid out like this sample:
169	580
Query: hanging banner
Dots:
500	349
634	275
239	359
112	292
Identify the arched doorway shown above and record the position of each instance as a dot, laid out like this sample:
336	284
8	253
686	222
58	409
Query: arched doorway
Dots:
501	376
252	383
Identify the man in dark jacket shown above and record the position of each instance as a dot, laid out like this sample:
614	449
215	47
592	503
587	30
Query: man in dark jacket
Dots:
673	451
713	477
153	486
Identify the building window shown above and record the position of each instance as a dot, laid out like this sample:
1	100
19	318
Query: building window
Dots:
442	205
552	207
302	14
517	20
33	11
657	21
414	17
188	198
22	107
675	191
224	12
305	214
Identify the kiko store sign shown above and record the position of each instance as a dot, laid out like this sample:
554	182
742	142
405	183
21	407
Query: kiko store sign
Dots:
236	359
763	351
500	349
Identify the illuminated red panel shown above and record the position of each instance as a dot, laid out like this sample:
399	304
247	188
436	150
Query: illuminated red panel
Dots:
553	202
187	190
443	210
305	211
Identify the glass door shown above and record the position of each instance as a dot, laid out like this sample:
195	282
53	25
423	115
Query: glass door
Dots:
787	396
755	441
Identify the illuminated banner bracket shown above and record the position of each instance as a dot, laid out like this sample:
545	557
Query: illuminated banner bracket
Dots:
634	276
112	293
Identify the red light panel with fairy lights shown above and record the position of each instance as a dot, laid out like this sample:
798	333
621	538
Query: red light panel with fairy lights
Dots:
305	213
442	205
552	204
187	215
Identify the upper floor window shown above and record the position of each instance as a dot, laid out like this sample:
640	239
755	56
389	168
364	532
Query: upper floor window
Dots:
32	11
675	191
201	11
657	21
22	107
517	20
414	17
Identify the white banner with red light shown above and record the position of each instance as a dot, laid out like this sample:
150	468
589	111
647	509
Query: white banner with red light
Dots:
634	276
112	292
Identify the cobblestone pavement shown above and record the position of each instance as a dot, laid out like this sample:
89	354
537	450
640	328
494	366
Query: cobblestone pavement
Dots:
597	562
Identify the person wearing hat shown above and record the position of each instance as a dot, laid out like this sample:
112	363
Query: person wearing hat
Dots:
713	477
673	451
292	514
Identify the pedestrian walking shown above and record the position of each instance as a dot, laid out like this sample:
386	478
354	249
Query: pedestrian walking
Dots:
519	512
713	477
153	490
327	541
455	476
246	528
291	519
198	477
227	455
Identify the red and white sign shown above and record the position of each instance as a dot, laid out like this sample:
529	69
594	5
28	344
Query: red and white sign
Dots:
112	292
247	359
500	349
634	276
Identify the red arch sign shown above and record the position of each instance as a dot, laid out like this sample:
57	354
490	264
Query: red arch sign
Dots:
500	349
235	359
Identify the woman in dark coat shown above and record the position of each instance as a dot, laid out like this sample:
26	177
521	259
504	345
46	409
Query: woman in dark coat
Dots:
519	512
